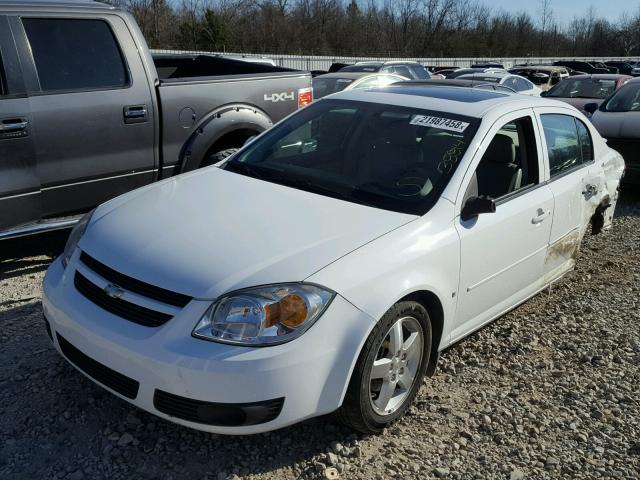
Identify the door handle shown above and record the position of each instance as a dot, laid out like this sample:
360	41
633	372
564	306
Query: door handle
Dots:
13	128
590	190
135	114
540	217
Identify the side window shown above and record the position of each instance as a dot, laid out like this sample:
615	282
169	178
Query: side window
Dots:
510	163
402	70
511	83
586	143
563	144
75	54
522	85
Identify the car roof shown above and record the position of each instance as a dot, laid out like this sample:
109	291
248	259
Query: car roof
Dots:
544	68
464	101
489	75
350	75
602	76
55	3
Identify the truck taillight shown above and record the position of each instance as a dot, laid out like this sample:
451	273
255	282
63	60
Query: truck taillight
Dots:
305	97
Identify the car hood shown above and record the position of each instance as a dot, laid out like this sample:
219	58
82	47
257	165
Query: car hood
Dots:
213	231
617	124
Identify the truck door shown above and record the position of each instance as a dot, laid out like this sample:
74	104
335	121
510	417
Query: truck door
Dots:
19	185
93	111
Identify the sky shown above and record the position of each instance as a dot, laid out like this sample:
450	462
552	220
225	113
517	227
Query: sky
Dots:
565	10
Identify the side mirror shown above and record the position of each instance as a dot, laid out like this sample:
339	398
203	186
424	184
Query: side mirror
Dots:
474	206
543	94
591	107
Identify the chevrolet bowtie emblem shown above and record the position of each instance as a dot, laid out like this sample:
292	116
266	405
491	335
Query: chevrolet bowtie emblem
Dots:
113	291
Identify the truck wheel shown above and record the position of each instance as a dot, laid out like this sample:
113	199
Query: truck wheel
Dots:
218	157
389	370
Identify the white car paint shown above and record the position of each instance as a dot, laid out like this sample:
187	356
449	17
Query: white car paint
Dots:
210	232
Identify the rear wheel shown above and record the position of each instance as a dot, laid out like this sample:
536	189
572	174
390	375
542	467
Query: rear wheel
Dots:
389	370
218	156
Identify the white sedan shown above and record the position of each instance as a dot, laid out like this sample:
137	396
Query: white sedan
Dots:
515	82
325	265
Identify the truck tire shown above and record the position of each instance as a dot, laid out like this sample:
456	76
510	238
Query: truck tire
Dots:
218	156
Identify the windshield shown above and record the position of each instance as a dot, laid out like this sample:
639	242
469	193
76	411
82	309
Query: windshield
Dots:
389	157
627	99
326	86
583	88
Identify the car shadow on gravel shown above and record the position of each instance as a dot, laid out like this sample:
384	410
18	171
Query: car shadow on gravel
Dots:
25	255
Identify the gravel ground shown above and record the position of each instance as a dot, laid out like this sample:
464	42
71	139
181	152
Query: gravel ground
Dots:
551	390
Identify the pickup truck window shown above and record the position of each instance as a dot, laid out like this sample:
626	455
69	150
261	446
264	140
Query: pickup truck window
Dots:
390	157
73	54
563	144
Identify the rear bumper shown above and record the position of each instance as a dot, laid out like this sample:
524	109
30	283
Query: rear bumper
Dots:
206	385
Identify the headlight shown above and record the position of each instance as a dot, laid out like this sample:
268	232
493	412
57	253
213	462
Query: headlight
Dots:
74	238
264	315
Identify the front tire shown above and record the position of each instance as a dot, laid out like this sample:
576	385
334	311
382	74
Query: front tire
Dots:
389	370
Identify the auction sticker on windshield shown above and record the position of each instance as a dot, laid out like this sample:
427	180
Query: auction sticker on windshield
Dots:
438	122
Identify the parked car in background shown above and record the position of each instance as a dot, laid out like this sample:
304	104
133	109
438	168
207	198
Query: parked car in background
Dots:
466	71
543	76
583	89
516	82
87	114
584	67
457	82
406	69
324	266
488	65
636	69
624	68
618	121
329	83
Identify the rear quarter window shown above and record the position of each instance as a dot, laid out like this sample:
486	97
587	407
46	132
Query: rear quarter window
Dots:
75	54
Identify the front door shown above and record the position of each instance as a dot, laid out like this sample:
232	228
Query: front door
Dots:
503	253
92	109
19	184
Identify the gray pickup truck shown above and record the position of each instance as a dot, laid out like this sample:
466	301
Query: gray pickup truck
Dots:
86	112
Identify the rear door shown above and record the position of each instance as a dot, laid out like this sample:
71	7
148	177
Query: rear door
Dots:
19	185
572	181
92	109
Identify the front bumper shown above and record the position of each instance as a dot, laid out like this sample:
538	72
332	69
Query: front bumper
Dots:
630	151
206	385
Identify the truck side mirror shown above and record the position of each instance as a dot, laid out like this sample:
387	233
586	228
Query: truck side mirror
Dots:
591	107
475	206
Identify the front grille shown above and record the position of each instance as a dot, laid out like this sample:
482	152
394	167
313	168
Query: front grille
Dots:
117	306
220	414
117	382
134	285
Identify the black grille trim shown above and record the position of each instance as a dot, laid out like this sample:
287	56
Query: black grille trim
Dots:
219	414
117	382
134	285
127	310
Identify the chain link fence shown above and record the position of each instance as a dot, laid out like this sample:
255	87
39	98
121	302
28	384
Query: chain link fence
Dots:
311	62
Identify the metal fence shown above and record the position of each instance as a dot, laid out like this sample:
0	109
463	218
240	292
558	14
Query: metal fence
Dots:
311	62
